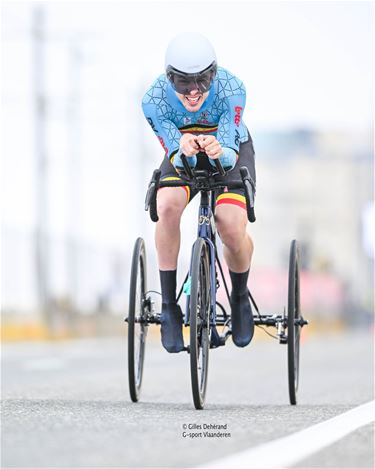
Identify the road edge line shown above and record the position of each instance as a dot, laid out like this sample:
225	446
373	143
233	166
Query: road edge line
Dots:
284	452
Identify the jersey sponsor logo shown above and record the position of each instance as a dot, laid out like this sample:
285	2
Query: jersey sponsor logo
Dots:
237	117
151	122
203	118
161	140
237	137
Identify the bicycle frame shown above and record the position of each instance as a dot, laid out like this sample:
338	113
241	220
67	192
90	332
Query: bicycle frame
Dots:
205	218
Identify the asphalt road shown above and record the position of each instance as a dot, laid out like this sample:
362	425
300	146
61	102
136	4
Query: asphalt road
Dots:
67	404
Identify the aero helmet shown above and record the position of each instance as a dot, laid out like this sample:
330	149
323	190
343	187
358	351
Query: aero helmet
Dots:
190	62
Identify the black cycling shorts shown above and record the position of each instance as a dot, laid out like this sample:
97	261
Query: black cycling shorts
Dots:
235	196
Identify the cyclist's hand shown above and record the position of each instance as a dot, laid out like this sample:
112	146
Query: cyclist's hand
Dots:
189	145
210	145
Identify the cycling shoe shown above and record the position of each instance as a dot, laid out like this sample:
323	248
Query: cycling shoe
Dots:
216	340
171	327
242	320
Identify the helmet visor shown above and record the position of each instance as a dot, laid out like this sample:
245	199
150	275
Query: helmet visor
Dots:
184	83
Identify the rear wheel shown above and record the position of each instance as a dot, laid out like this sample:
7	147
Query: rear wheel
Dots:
294	328
199	306
137	325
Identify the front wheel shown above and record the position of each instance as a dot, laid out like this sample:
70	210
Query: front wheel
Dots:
137	319
294	316
199	306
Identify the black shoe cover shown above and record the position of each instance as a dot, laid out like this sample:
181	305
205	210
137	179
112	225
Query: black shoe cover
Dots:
216	340
171	327
242	320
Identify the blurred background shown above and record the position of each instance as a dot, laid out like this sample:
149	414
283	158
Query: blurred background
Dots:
77	154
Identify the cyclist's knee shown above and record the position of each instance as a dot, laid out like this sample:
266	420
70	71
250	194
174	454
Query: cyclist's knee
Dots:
171	203
231	225
232	238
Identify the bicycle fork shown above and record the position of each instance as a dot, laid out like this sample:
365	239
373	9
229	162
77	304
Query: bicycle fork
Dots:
205	233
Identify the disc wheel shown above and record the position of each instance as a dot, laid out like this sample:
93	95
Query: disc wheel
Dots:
294	329
137	325
199	307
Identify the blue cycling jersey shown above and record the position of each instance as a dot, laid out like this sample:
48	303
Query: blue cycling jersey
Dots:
219	115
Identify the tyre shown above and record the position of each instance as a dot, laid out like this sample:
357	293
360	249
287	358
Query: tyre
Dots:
137	325
294	328
199	307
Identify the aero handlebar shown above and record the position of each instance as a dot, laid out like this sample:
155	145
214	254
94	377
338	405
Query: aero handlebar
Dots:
201	180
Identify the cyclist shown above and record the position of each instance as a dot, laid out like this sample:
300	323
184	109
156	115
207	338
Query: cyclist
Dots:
197	107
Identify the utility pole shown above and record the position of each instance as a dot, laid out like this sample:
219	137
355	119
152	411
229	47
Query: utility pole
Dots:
41	163
74	173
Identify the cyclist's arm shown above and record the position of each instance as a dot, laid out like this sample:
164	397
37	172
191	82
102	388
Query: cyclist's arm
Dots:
164	129
168	135
228	133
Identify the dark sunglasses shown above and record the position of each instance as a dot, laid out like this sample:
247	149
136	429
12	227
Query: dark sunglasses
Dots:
184	83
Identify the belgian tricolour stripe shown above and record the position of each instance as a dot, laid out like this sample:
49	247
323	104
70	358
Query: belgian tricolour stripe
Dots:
202	129
231	198
175	178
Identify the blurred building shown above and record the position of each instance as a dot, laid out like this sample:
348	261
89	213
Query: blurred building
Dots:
314	187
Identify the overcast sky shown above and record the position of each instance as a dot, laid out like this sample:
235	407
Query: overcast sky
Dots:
303	63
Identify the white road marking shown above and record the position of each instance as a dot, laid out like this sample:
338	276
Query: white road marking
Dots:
286	451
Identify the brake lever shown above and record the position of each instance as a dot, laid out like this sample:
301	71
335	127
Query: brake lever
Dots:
250	191
150	202
152	188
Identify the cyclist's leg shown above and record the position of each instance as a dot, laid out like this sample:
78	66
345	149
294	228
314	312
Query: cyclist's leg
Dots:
231	221
231	216
171	203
